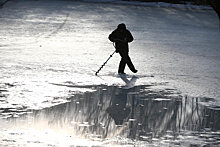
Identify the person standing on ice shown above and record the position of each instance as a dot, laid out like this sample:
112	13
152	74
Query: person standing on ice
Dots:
121	36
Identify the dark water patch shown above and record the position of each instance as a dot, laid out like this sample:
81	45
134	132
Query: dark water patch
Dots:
4	90
4	86
9	110
138	114
75	85
7	140
13	112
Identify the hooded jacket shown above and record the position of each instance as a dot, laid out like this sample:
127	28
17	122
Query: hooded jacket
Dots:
121	37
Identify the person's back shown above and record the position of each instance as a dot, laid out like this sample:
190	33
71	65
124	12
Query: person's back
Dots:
121	36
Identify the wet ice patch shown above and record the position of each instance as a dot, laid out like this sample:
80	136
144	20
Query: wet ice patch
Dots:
161	99
210	103
113	116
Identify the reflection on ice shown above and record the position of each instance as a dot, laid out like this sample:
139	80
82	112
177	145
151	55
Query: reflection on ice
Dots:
112	115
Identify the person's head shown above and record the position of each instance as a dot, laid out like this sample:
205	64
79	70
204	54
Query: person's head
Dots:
121	27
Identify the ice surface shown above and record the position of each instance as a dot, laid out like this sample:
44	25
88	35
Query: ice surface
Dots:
45	42
50	51
154	4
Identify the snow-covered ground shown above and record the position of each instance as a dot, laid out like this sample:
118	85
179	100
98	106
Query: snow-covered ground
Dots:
58	41
188	5
50	51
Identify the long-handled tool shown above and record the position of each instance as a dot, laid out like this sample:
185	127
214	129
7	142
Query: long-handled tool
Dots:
105	62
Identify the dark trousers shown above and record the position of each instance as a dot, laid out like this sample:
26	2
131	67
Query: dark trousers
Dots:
125	59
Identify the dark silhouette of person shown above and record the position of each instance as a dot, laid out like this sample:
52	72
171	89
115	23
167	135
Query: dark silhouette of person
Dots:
121	36
118	109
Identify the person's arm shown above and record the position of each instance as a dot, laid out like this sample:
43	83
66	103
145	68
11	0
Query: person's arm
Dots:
129	37
112	37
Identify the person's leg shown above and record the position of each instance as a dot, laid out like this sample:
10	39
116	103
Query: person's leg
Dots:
125	59
128	61
130	64
121	67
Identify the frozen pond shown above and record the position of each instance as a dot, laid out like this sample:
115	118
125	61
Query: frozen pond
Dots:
50	51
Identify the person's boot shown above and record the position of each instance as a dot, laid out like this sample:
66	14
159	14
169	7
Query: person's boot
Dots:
135	71
121	73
